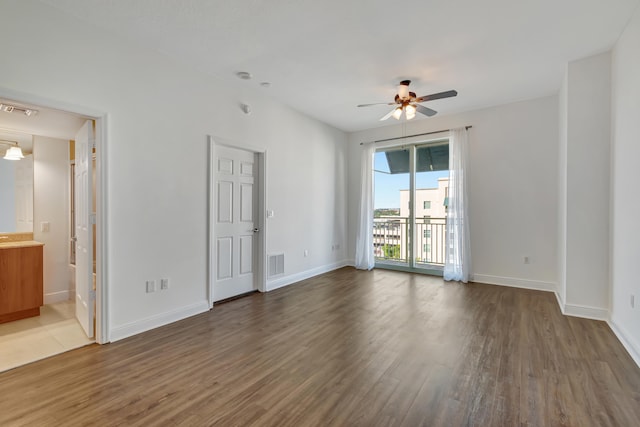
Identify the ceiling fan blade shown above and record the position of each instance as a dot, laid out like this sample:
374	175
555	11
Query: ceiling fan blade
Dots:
447	94
389	114
377	103
424	110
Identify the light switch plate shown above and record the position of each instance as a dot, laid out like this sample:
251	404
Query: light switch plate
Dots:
44	226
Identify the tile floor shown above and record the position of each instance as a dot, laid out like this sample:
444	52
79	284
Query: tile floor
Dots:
53	332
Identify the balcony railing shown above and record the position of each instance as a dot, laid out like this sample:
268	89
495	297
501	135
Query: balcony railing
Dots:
392	240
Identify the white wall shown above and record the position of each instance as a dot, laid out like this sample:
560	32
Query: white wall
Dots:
625	213
160	112
512	187
51	204
584	178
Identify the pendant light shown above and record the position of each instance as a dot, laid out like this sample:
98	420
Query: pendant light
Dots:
14	152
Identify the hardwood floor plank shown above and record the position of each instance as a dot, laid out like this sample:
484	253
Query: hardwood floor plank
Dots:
347	348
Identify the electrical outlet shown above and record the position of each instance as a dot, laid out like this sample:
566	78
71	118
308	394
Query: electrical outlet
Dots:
164	284
306	252
151	286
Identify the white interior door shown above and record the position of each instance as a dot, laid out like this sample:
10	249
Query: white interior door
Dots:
84	217
235	202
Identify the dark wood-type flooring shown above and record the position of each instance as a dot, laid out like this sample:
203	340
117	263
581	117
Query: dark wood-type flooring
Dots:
348	348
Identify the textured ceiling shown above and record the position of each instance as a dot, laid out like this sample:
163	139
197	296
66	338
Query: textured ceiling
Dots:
325	57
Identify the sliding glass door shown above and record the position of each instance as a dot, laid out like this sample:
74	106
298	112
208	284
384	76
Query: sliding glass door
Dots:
411	197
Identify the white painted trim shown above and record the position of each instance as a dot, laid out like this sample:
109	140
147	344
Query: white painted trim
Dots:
585	311
101	119
54	297
632	347
261	270
560	302
262	220
102	261
514	282
162	319
210	236
303	275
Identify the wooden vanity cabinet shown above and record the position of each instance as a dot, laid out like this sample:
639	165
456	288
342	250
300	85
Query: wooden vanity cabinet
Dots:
21	293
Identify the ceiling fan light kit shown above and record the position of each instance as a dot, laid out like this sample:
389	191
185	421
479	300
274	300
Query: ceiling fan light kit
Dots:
409	103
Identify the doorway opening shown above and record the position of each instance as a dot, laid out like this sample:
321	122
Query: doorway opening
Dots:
411	194
51	130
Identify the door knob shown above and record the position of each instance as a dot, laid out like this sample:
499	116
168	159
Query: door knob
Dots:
255	230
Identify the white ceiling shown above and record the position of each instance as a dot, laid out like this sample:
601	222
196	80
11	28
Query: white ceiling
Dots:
323	57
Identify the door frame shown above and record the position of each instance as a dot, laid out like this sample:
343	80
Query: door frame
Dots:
101	140
260	277
411	142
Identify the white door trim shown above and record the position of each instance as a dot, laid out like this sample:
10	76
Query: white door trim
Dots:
102	260
260	276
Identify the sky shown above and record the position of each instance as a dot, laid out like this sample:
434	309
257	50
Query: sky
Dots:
387	186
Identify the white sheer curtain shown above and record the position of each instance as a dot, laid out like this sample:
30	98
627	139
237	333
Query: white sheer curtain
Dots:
458	250
364	240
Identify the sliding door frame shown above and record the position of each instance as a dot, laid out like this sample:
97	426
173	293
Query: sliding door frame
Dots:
412	144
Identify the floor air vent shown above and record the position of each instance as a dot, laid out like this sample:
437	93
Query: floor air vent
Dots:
276	265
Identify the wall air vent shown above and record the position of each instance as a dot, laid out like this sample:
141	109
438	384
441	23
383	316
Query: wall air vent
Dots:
276	265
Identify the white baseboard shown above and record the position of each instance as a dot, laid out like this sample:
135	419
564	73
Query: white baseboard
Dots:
560	302
143	325
297	277
632	347
54	297
585	311
514	282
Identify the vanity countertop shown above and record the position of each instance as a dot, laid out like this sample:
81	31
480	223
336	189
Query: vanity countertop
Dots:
22	244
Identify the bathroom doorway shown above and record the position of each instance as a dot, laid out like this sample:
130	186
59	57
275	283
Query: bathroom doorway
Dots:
53	330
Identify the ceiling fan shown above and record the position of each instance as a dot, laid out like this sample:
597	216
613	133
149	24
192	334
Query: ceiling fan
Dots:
409	103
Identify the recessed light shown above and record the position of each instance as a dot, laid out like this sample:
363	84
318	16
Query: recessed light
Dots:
265	84
243	75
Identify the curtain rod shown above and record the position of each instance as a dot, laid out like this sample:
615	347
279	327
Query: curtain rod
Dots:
417	134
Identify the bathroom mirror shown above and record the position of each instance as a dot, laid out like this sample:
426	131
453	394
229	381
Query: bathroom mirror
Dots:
16	194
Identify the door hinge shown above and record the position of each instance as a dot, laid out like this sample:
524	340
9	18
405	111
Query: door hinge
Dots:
92	295
92	218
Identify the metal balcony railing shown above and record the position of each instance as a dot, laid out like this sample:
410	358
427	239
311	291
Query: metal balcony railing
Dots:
392	240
